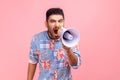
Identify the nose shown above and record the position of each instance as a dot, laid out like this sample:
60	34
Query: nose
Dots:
57	24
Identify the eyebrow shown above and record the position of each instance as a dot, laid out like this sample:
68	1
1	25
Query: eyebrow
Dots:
55	20
60	19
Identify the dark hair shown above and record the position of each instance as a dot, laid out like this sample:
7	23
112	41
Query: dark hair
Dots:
52	11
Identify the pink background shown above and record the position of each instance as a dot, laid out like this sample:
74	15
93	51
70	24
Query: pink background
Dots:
98	22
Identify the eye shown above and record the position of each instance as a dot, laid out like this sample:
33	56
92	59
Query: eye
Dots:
60	21
52	21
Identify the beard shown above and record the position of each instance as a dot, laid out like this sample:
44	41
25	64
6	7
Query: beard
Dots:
53	35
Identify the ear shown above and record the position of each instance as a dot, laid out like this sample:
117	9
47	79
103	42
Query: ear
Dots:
46	24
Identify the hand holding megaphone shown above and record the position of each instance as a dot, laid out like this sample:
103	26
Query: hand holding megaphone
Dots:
69	37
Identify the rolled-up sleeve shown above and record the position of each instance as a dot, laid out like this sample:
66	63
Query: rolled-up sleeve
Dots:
77	53
33	56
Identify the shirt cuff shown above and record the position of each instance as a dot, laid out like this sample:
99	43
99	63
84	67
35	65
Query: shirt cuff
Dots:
78	63
32	62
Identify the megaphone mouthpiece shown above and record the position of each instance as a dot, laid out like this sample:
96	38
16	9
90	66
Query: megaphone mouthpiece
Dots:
67	36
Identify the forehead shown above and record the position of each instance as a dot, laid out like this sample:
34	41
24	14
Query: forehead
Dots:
55	17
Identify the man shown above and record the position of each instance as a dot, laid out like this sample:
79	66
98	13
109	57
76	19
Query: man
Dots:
54	58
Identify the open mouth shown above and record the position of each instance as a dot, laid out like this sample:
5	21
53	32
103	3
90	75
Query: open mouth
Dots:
56	31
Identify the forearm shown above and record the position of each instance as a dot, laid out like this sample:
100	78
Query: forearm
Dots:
31	71
72	57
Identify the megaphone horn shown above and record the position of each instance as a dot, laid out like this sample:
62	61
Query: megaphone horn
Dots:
70	37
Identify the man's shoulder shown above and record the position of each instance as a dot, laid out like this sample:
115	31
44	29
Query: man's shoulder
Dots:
40	35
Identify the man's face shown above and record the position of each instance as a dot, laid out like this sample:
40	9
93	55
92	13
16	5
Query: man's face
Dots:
54	23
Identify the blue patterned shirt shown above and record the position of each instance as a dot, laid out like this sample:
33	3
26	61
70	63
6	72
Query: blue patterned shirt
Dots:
52	58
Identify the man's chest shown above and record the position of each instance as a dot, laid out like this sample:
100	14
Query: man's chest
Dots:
51	53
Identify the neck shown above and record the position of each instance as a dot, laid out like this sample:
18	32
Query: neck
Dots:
50	35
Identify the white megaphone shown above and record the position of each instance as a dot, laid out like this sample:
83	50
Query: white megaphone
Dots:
70	37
